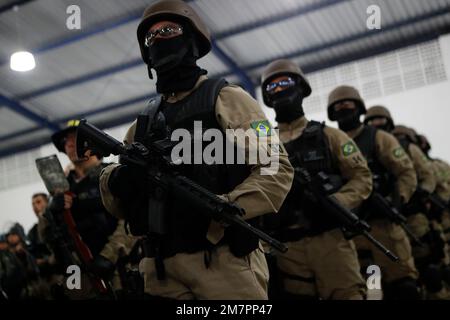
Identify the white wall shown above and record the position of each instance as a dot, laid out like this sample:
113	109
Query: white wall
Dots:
426	108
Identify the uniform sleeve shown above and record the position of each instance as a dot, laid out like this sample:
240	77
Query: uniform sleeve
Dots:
424	169
111	203
394	158
353	168
118	242
265	189
442	185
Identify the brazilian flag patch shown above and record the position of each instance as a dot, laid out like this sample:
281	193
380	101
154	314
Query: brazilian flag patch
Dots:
398	152
262	128
349	148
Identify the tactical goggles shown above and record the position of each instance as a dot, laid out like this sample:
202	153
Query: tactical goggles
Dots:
167	31
283	84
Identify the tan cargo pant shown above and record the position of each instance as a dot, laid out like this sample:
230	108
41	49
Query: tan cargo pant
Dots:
394	238
227	277
330	261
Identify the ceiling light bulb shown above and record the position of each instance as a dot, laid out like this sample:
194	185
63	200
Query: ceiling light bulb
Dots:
22	61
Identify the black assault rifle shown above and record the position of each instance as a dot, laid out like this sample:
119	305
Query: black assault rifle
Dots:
319	189
162	173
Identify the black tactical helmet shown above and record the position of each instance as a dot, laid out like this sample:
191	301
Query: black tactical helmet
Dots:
58	137
284	67
175	9
343	93
378	112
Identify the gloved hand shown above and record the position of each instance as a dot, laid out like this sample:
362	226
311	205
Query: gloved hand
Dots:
102	267
126	180
56	204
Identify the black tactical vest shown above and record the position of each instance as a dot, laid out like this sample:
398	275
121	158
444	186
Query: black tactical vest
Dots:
383	179
312	152
94	223
187	227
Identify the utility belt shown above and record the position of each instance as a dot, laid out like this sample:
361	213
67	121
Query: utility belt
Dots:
309	221
297	234
240	244
294	233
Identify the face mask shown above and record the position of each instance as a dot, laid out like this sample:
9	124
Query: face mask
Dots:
385	127
165	55
348	119
287	104
175	63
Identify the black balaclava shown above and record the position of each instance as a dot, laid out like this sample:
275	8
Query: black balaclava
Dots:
385	127
287	104
175	63
348	119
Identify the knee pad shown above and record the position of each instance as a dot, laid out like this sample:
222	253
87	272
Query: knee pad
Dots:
402	289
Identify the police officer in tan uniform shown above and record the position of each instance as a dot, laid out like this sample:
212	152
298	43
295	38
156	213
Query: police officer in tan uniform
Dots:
429	256
440	219
380	117
320	262
199	258
394	173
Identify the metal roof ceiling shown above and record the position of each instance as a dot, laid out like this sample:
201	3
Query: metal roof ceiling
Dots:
96	72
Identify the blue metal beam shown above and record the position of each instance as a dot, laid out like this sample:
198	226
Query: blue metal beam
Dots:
39	142
24	147
19	133
114	106
369	52
295	13
20	109
12	4
234	68
355	37
84	78
308	68
92	31
110	25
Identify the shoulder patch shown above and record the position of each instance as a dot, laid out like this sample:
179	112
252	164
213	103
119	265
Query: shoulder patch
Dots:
349	148
262	128
398	152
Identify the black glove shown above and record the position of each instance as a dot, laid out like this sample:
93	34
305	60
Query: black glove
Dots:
102	267
56	204
126	181
417	202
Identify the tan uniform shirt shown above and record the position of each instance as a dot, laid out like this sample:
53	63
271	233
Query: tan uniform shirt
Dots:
258	194
346	156
392	156
423	167
442	174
